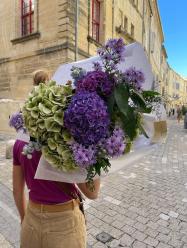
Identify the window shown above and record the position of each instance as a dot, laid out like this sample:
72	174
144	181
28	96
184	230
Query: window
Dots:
177	86
125	23
27	17
95	19
132	30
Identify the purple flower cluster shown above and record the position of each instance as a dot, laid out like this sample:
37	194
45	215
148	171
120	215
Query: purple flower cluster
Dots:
97	66
16	121
96	81
134	77
112	53
83	156
115	145
87	118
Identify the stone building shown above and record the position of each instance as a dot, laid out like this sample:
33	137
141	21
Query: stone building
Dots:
177	90
44	34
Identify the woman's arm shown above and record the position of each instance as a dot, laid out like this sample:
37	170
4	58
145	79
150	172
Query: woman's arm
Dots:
84	187
18	190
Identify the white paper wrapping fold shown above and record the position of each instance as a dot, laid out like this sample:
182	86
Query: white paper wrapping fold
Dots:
47	172
142	146
134	56
22	136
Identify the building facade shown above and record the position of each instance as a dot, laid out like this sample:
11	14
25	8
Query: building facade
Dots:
40	34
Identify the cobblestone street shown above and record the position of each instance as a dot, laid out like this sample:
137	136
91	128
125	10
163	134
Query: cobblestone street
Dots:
143	205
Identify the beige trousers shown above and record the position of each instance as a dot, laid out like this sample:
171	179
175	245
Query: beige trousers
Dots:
53	230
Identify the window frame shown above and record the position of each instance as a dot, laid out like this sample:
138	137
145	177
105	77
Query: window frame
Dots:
96	23
24	16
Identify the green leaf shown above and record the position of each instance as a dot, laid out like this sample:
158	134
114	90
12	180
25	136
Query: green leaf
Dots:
110	104
129	123
143	131
148	110
121	94
128	147
138	99
150	93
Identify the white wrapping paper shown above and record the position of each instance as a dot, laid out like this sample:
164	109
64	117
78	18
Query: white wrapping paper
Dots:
135	56
142	146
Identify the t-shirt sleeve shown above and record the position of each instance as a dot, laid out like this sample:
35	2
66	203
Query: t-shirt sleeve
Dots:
16	161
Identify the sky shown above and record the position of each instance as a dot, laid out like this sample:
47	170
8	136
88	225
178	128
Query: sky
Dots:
174	23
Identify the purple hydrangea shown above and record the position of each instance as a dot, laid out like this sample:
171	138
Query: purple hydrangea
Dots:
115	145
112	53
84	157
16	121
87	118
96	81
134	77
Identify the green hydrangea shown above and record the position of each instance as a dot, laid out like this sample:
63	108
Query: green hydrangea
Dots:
44	119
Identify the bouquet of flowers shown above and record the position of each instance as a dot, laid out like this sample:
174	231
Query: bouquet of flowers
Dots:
81	125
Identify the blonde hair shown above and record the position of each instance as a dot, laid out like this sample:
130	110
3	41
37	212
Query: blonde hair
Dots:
40	76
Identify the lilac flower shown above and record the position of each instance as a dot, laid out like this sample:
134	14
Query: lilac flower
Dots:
77	73
87	118
97	66
115	145
16	121
118	48
83	156
134	77
112	53
96	81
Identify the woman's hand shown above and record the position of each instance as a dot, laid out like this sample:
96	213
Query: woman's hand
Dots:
84	187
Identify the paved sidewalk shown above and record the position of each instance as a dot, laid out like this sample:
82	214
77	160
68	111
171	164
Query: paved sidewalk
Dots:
143	205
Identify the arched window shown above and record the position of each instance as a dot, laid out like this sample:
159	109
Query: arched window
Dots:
27	17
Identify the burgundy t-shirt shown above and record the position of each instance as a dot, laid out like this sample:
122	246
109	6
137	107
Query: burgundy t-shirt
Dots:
41	191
